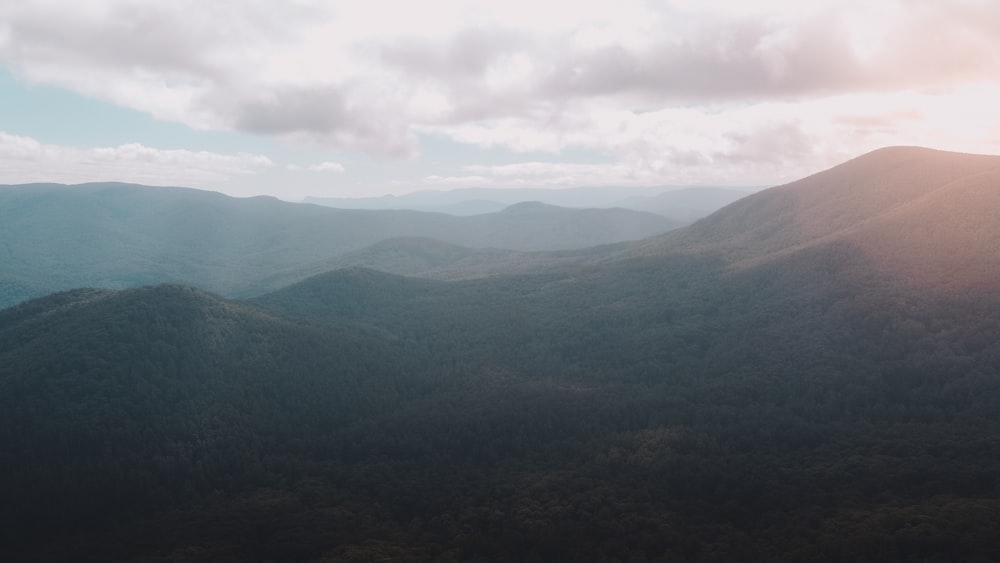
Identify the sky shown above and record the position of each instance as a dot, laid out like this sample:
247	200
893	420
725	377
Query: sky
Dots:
329	98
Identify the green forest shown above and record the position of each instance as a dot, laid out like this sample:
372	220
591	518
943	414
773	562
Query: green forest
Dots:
625	412
809	374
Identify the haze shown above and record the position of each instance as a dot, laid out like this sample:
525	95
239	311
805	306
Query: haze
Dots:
348	99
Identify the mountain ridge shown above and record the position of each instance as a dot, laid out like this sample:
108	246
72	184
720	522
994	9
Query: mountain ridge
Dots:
851	202
114	235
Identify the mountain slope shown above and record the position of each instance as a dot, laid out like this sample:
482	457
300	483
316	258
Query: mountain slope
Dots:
901	206
160	386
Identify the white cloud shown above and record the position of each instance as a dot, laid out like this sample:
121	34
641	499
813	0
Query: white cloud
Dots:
24	159
755	144
716	85
327	167
463	181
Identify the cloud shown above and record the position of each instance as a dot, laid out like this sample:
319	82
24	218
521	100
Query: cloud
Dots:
759	144
654	86
327	167
24	159
323	116
463	181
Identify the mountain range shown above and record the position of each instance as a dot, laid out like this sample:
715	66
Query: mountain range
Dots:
678	203
57	237
808	373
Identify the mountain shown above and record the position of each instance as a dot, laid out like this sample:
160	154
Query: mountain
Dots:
756	386
681	205
826	205
529	224
463	201
116	235
923	215
429	258
685	205
416	202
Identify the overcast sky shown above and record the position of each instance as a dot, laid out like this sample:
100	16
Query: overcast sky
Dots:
348	98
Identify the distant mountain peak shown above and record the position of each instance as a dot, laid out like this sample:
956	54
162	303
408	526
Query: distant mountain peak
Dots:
526	207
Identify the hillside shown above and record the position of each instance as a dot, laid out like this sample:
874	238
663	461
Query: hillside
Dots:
162	386
608	414
115	235
758	386
858	202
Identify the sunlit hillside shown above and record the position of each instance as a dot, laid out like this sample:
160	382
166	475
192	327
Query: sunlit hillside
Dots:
927	216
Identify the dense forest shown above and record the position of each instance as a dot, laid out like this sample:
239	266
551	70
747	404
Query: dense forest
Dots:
681	405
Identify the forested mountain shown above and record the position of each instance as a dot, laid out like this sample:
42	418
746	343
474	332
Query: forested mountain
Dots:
758	386
889	192
58	237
